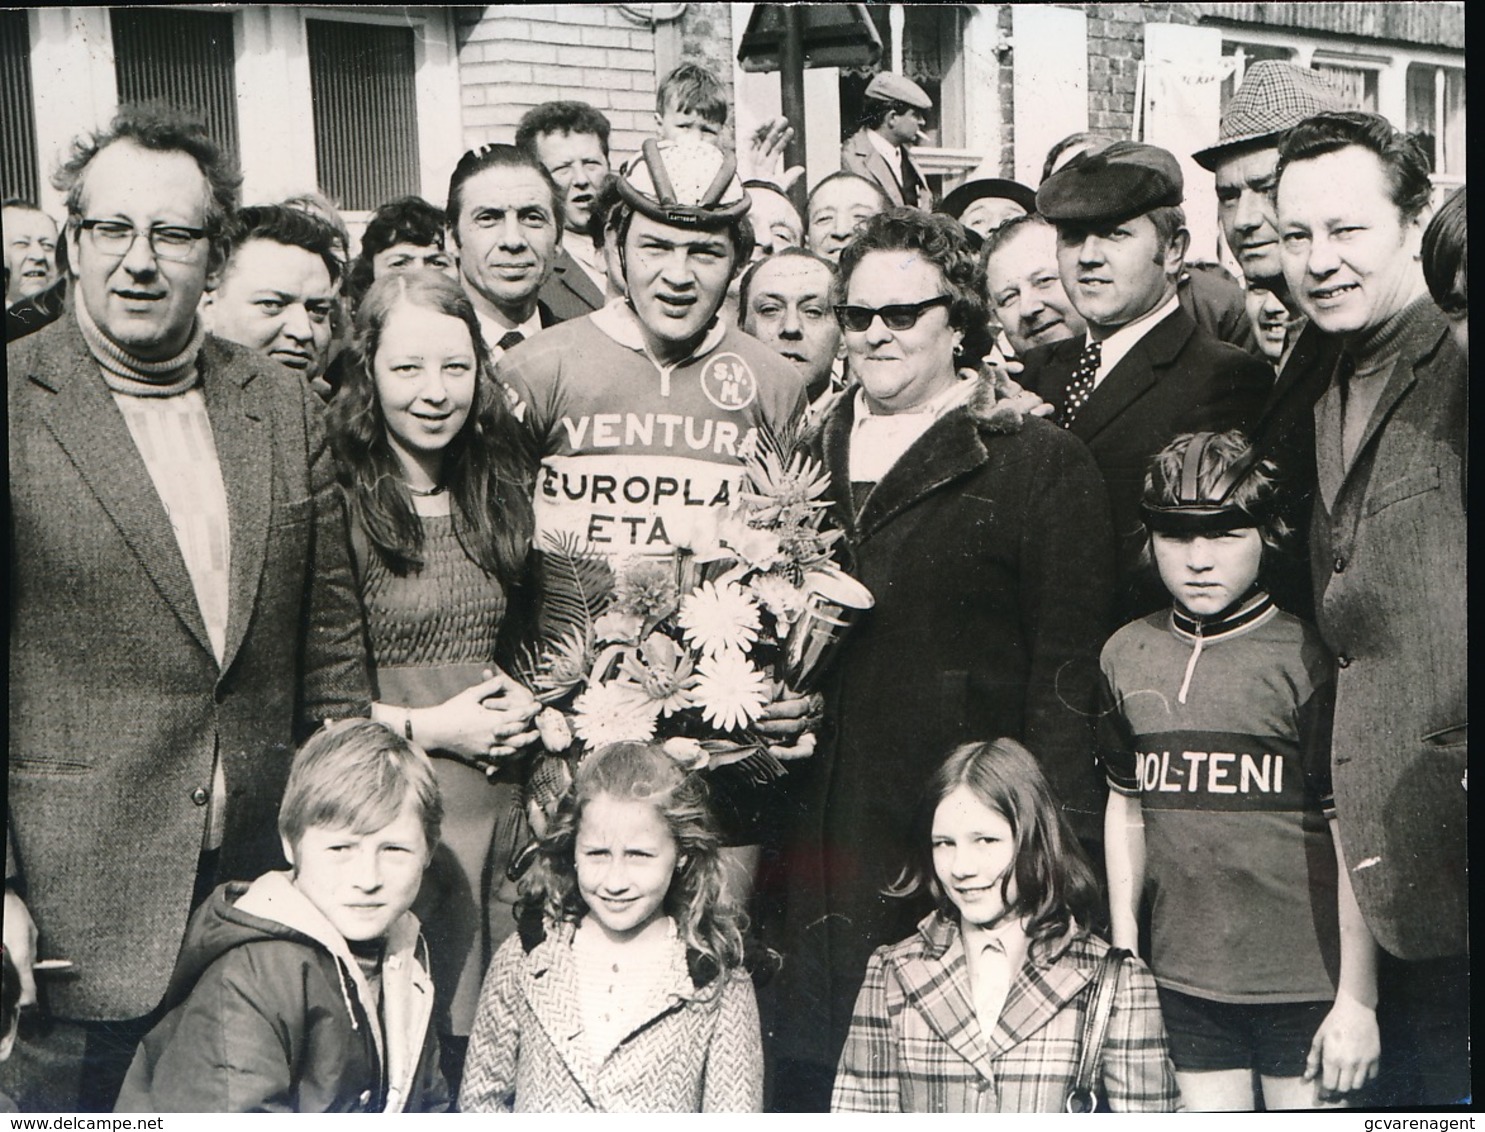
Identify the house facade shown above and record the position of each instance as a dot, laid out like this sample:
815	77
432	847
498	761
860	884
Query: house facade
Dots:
372	102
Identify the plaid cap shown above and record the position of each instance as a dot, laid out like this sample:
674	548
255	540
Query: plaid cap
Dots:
1274	98
1122	180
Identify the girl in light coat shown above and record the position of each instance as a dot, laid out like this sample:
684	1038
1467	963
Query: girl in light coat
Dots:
623	990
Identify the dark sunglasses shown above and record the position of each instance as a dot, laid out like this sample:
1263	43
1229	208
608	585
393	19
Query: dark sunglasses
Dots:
898	316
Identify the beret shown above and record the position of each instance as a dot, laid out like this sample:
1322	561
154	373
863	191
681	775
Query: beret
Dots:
1122	180
889	87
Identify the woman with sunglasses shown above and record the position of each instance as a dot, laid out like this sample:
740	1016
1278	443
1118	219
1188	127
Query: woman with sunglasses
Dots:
983	534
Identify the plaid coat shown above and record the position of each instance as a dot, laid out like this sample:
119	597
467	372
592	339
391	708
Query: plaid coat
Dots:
916	1046
701	1052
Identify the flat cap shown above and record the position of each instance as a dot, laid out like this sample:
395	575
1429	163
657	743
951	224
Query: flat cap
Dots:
1122	180
1274	98
888	87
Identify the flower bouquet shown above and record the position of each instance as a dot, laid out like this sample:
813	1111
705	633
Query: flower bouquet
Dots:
689	649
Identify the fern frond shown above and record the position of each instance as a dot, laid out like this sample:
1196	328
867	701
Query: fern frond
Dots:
576	586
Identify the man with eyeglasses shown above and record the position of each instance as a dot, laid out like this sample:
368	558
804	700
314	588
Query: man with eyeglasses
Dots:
1144	370
182	609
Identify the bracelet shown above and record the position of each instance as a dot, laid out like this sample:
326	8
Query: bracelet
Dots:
407	724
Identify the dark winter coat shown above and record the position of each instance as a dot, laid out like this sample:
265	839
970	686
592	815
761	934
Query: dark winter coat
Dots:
988	550
268	1011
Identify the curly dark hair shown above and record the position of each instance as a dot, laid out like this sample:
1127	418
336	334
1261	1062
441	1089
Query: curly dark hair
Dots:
1054	884
940	239
644	772
285	225
164	128
406	220
561	118
488	466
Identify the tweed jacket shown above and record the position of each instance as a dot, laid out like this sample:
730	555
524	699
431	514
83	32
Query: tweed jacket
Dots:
916	1044
118	706
701	1052
988	551
859	156
567	291
1178	378
1389	559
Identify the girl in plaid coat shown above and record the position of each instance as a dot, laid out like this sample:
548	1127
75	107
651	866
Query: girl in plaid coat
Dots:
982	1009
624	989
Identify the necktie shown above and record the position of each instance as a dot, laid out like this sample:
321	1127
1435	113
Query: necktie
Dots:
510	338
1082	384
909	180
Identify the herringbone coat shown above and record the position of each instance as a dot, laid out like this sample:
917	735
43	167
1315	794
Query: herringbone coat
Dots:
916	1045
118	706
1389	551
701	1052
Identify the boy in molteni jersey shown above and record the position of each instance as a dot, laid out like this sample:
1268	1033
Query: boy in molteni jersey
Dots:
1216	744
308	990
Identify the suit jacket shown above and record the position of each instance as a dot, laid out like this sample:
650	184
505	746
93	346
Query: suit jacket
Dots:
1286	435
1178	378
916	1044
1215	300
568	291
859	156
1389	557
118	706
988	550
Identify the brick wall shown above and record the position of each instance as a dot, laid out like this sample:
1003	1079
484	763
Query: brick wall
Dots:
513	57
1006	81
1116	46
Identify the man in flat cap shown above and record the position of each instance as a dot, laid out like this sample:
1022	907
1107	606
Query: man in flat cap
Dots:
1144	370
893	114
1274	98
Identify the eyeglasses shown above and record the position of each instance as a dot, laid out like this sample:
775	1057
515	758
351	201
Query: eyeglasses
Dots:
167	241
898	316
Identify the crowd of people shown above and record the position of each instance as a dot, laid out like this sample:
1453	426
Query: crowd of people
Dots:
1141	785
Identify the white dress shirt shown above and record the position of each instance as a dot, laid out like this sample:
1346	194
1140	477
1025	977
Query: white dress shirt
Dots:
1118	344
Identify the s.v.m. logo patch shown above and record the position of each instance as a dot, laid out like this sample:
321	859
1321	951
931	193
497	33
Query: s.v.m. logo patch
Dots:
728	382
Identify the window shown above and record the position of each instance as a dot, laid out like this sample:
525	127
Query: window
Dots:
365	111
1358	85
18	174
182	57
923	60
1436	110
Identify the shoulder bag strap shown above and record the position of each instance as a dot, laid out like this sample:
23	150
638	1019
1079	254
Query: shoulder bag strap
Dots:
1083	1096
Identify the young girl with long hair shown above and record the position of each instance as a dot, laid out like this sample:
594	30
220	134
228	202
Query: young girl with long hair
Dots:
983	1008
624	990
437	483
